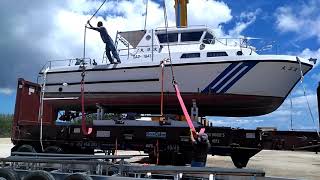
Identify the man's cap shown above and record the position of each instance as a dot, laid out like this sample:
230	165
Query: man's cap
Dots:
202	137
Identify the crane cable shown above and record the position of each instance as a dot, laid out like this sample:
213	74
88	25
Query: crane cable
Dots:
83	68
174	83
167	36
146	15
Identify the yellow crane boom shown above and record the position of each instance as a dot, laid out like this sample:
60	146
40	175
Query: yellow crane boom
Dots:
181	13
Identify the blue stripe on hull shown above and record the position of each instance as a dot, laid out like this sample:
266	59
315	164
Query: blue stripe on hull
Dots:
233	73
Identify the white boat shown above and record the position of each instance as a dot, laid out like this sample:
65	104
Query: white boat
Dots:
225	79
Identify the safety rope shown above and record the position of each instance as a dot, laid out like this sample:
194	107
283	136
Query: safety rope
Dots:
84	42
97	10
40	115
305	95
162	80
83	122
116	148
157	150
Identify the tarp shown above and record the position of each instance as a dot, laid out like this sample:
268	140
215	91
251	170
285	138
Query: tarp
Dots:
133	37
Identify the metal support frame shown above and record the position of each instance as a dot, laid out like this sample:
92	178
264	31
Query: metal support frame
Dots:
62	165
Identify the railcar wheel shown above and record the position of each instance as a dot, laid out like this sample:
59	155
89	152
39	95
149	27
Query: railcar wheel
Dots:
39	175
26	148
240	162
78	176
8	174
54	149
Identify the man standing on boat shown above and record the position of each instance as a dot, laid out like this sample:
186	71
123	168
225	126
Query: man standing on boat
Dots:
200	145
108	41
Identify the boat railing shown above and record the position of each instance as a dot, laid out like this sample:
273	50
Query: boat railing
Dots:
242	42
67	62
175	27
255	44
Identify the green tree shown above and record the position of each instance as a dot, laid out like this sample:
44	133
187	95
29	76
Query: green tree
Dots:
5	124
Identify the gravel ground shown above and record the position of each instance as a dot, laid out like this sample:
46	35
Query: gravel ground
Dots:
5	147
290	164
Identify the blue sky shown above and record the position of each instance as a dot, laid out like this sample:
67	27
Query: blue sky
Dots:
292	26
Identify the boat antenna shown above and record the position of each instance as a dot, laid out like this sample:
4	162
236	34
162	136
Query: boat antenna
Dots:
146	15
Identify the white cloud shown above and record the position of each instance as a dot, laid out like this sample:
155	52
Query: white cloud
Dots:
287	21
281	118
117	16
303	19
307	53
207	12
246	18
6	91
47	30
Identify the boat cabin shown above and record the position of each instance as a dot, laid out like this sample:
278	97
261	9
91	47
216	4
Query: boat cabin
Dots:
191	42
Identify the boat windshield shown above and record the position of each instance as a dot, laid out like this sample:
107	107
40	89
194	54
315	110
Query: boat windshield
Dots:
171	37
191	36
208	38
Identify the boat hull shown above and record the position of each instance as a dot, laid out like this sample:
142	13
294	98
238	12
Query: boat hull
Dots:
228	88
209	105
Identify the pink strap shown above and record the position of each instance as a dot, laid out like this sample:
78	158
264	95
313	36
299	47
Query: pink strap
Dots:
83	122
202	130
184	109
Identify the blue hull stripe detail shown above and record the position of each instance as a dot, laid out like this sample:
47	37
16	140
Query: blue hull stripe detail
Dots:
217	79
226	80
248	68
231	75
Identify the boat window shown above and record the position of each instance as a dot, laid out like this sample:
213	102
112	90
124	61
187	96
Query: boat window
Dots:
208	38
191	36
172	37
216	54
190	55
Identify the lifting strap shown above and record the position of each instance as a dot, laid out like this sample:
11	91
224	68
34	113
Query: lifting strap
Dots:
174	83
85	131
184	109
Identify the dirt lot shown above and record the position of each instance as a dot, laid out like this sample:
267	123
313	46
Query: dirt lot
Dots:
5	146
290	164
